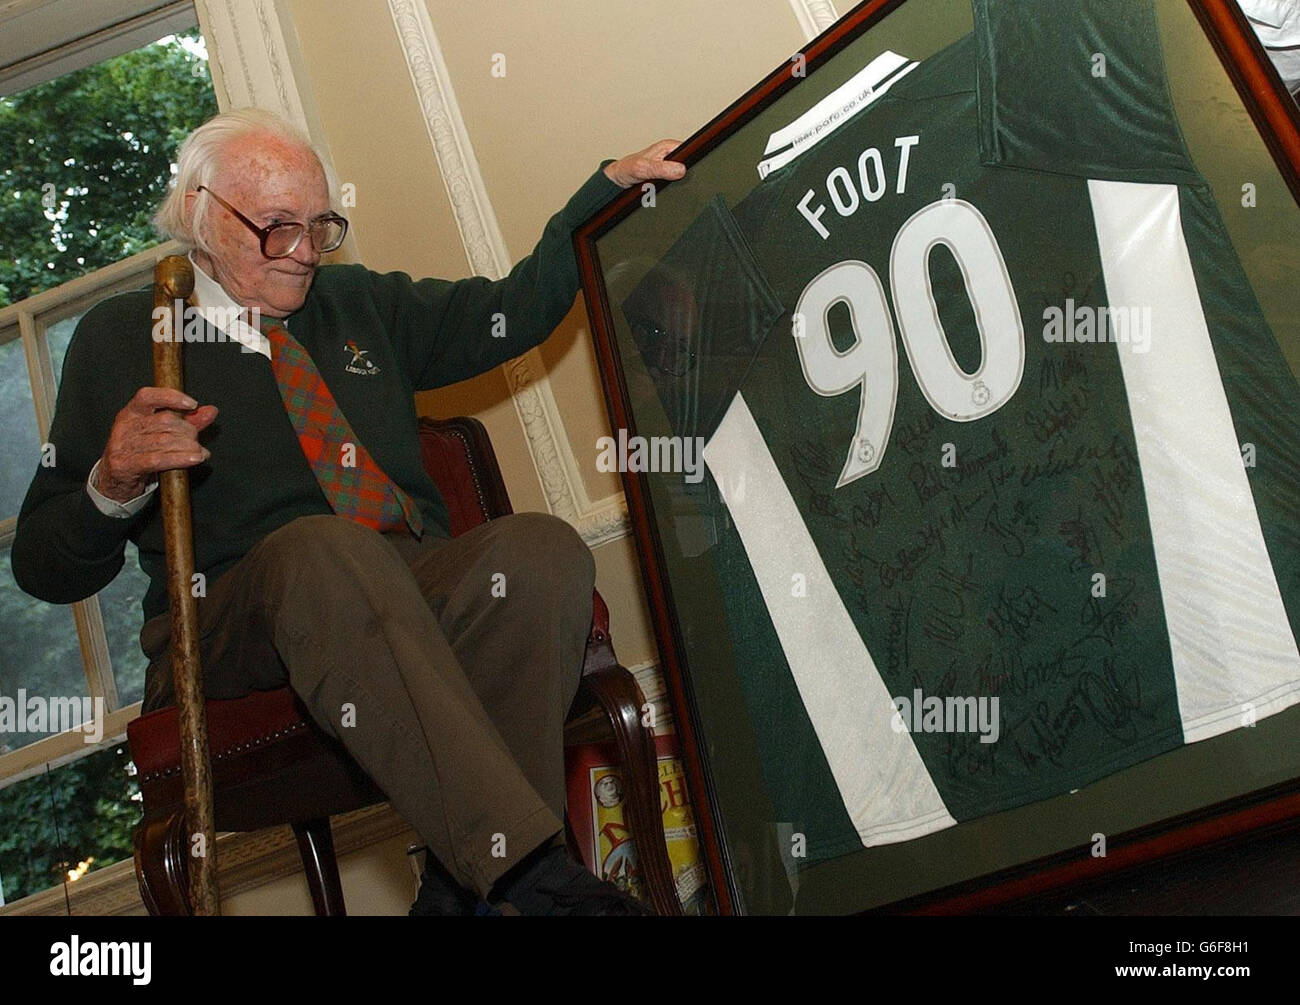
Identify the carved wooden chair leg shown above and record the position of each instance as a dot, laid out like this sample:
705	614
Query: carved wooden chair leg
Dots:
316	846
616	692
160	866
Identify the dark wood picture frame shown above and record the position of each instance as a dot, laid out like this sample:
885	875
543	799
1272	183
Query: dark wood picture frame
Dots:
1269	809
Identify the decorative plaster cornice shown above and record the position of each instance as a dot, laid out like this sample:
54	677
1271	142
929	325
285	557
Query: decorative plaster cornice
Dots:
247	36
605	521
814	16
273	41
532	411
240	51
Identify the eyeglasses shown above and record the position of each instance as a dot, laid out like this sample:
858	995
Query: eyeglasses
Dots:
280	240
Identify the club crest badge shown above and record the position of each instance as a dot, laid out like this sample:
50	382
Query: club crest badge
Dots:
359	363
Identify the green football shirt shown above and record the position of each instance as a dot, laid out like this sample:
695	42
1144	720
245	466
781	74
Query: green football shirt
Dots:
975	366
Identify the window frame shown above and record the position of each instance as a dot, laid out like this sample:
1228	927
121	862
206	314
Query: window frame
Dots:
32	318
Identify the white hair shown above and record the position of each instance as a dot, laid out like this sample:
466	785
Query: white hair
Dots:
199	158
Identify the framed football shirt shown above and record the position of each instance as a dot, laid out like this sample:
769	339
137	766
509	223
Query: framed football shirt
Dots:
986	490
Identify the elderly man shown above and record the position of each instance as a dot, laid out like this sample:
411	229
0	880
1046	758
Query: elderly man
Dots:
445	666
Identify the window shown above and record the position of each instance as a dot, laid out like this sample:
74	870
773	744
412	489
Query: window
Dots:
90	159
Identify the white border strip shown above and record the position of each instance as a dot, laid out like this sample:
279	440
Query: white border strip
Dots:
886	789
1232	646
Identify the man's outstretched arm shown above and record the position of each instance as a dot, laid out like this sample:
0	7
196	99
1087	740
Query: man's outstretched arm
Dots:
452	330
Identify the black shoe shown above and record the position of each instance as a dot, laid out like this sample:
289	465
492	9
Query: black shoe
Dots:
440	895
548	882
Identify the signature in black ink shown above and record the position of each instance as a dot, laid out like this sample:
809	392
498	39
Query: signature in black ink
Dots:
1016	612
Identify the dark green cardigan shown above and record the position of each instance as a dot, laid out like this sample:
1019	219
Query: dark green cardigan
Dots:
419	335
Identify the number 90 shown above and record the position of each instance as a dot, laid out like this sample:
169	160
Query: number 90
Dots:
872	361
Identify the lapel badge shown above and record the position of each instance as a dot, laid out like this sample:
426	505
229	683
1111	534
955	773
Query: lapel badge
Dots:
359	363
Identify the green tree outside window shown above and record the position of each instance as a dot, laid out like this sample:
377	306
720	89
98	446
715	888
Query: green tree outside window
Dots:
86	159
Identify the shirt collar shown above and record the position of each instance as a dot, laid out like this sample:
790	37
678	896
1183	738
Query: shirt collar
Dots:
220	310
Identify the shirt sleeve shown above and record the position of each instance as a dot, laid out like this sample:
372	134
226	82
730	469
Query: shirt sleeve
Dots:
451	330
1077	89
111	507
699	317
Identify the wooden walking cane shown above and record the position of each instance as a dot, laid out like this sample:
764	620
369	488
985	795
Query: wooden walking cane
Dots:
173	283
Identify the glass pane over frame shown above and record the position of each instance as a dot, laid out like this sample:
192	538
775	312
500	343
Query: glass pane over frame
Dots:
667	395
21	448
41	671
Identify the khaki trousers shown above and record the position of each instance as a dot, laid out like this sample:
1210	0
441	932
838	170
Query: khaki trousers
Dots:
445	666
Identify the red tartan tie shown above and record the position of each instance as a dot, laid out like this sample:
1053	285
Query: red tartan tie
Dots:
358	490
